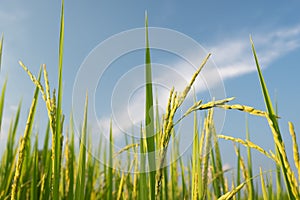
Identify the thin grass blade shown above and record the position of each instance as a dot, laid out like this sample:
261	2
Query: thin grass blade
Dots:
2	98
149	118
58	131
275	129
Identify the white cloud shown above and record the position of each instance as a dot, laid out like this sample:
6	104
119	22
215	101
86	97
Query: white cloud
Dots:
233	58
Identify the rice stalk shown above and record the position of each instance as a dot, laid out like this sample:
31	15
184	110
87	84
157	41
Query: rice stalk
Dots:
59	118
249	144
243	108
9	158
90	172
70	162
219	165
174	102
183	183
125	149
195	165
2	98
135	175
23	143
231	193
143	186
80	180
263	186
174	168
199	106
110	165
292	192
243	167
295	149
292	181
34	188
238	175
67	164
183	95
120	189
249	162
8	154
208	134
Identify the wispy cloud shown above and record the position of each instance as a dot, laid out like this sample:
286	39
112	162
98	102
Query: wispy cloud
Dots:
233	58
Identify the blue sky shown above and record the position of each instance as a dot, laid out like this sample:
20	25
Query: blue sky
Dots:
31	33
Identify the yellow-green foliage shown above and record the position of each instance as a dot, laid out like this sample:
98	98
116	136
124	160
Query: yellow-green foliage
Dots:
29	173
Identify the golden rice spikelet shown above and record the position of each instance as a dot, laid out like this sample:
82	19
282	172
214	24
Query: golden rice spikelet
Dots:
231	193
21	156
281	148
295	148
34	80
188	88
250	144
243	108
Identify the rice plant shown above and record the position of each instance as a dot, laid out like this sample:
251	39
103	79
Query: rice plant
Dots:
56	171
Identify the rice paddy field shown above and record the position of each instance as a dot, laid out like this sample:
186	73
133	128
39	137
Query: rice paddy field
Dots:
60	170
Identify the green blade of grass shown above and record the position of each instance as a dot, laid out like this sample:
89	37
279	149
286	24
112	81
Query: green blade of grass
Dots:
249	162
195	163
2	98
278	172
46	166
11	142
174	168
90	172
7	165
121	186
219	165
274	125
80	181
143	186
9	155
34	186
135	175
214	171
110	165
263	186
238	176
149	118
71	160
58	131
45	152
183	183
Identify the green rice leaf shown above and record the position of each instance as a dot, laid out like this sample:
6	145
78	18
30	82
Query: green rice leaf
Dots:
110	165
59	117
263	185
149	118
276	131
80	181
71	160
2	98
34	187
249	161
143	186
